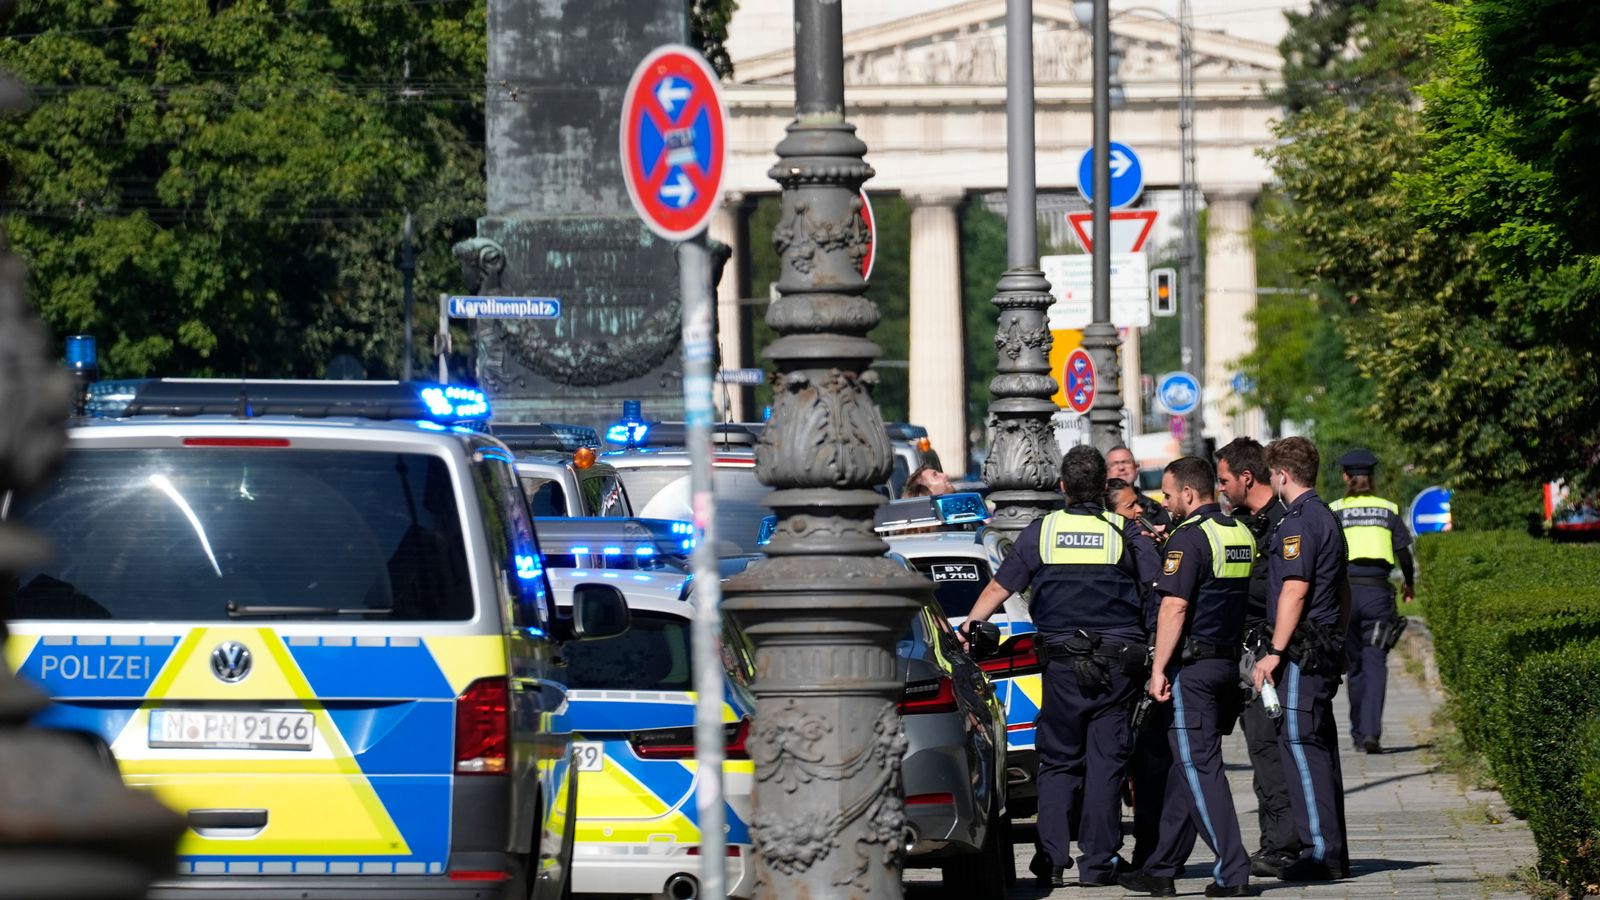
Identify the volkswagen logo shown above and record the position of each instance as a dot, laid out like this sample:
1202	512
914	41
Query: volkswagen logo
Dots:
230	662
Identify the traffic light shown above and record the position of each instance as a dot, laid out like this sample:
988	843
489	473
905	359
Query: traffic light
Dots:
1164	292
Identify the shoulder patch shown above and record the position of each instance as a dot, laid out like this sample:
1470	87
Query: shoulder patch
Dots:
1291	547
1174	559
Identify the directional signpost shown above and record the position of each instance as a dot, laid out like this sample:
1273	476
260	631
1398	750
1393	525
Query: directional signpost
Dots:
1177	393
673	150
1077	381
1127	176
1430	511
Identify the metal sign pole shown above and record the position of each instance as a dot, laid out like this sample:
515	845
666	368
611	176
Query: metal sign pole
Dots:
699	353
442	343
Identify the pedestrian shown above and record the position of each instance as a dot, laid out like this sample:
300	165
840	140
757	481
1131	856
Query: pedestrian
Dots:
1307	611
1084	567
1245	484
1378	541
1121	464
927	481
1204	589
1122	498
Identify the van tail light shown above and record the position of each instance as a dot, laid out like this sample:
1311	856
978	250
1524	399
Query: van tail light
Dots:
678	743
936	696
945	799
483	726
1017	656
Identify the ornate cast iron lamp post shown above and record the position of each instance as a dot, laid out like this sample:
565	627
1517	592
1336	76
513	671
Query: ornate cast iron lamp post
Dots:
1023	462
826	608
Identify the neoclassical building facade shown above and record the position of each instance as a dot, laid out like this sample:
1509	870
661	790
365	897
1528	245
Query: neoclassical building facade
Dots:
927	94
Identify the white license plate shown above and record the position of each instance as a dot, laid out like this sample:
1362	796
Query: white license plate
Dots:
590	756
231	730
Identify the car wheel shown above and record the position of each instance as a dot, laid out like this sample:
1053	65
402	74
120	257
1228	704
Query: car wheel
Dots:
985	874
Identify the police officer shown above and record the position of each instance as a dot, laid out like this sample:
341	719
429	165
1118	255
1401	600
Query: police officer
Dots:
1242	476
1378	540
1204	588
1084	566
1306	611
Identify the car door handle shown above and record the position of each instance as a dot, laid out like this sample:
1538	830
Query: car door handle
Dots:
226	822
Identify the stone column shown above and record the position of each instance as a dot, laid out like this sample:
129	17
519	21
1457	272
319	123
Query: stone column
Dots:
727	226
938	376
1230	299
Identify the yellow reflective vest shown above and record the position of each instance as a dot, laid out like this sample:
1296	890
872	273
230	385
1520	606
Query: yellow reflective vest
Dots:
1369	524
1080	583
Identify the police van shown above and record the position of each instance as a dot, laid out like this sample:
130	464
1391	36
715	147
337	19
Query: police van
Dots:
312	617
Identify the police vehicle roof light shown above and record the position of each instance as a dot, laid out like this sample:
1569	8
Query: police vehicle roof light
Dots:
955	509
611	551
249	398
81	352
455	403
769	527
631	431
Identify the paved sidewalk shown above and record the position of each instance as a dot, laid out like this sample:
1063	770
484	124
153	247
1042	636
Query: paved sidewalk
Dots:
1414	831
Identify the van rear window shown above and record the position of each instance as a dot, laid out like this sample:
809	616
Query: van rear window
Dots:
165	534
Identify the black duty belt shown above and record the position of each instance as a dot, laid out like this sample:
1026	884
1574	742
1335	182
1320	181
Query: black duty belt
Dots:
1103	651
1369	581
1196	651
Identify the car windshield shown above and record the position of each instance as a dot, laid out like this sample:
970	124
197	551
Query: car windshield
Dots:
662	492
652	655
185	534
957	582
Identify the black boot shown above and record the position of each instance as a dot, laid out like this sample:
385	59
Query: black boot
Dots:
1233	890
1047	874
1154	885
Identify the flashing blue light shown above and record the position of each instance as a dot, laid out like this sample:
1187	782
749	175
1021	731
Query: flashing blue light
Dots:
644	551
454	402
611	551
682	528
766	414
688	543
81	352
630	433
528	567
955	509
769	527
579	551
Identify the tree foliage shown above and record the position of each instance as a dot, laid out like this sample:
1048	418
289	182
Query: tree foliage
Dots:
212	188
1449	243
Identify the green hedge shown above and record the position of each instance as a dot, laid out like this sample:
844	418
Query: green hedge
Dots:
1516	624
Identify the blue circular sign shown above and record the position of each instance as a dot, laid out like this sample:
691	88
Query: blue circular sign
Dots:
1178	393
1127	175
1430	511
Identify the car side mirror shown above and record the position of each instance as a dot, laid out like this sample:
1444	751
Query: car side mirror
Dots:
598	611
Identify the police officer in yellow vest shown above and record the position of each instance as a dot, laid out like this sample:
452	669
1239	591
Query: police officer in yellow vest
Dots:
1378	540
1205	592
1085	567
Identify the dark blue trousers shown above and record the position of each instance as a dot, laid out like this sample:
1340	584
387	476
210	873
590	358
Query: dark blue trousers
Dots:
1309	740
1199	800
1083	757
1149	770
1369	665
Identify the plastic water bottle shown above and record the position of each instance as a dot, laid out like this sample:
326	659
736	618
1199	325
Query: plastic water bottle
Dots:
1269	700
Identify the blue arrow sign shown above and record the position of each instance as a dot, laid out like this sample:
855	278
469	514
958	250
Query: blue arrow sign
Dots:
1127	175
1430	511
1178	393
505	308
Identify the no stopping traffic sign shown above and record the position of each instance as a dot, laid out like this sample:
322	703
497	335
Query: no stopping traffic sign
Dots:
673	142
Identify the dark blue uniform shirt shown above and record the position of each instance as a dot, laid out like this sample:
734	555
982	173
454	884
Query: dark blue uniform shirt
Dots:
1214	616
1261	522
1139	560
1308	545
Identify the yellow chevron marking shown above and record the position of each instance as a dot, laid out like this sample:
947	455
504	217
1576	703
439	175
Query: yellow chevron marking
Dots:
465	658
18	648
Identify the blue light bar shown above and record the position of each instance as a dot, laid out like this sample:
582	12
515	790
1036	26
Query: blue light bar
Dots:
455	403
955	509
629	433
579	551
769	526
528	567
611	551
81	352
644	551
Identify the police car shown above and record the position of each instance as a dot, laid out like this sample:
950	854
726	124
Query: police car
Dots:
632	709
312	617
560	472
944	538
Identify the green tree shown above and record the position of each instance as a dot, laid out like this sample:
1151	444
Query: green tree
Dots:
708	30
211	189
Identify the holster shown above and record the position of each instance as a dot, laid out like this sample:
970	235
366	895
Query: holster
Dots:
1387	633
1317	649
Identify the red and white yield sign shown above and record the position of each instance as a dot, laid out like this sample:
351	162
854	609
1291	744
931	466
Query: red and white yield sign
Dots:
1077	381
673	141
